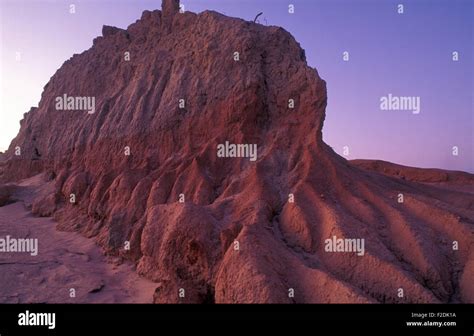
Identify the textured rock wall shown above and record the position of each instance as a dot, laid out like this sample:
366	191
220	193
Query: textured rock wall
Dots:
237	237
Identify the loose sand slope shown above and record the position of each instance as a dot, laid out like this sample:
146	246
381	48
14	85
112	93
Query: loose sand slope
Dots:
65	260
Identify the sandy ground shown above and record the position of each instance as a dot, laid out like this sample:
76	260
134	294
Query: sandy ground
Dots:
65	261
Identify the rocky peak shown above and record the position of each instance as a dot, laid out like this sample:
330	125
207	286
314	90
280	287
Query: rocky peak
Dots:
170	7
110	30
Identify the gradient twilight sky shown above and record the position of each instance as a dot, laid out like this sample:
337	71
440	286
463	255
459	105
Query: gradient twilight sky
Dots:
406	54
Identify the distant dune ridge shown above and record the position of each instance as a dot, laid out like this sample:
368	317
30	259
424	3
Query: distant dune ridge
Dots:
144	170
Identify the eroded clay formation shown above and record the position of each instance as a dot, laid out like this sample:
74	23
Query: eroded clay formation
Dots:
144	171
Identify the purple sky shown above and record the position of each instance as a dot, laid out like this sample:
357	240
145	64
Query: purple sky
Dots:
406	54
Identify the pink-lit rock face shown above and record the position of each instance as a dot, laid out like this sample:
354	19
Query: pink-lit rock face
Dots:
144	169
